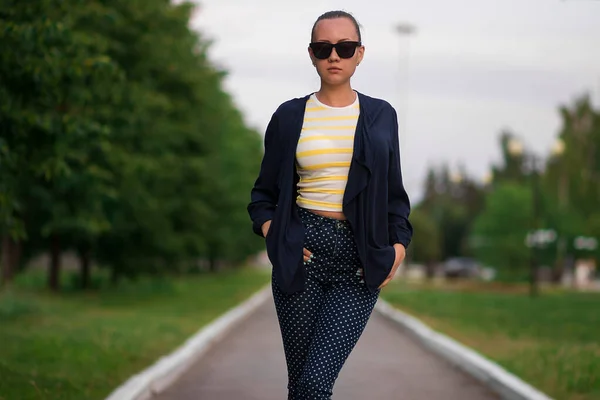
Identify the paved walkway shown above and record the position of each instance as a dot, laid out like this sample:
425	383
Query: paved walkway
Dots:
386	364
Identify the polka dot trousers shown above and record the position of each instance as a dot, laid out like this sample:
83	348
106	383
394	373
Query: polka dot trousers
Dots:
321	324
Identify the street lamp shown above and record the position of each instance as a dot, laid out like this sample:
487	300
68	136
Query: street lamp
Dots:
488	178
515	147
456	177
558	148
404	30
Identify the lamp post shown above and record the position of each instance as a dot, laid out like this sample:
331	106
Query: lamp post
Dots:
538	237
404	30
456	177
534	266
487	179
562	190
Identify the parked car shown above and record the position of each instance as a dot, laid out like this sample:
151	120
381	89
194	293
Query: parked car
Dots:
461	267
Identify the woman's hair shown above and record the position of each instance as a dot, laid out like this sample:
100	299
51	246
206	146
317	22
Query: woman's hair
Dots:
334	15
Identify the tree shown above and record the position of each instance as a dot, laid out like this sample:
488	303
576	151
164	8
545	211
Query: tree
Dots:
512	168
426	245
501	229
572	179
189	146
579	181
55	82
452	201
119	142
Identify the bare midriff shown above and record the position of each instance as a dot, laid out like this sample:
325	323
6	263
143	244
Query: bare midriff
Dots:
329	214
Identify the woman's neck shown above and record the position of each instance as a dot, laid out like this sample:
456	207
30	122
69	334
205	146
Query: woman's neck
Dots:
339	96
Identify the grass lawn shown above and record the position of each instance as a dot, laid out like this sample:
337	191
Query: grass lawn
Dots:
83	345
552	342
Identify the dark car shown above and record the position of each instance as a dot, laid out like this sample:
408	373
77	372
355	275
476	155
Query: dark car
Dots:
461	267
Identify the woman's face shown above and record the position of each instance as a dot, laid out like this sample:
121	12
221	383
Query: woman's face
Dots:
335	70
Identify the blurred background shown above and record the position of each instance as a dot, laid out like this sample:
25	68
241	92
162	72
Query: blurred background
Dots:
131	135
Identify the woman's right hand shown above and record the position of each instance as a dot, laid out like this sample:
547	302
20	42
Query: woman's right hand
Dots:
307	255
265	228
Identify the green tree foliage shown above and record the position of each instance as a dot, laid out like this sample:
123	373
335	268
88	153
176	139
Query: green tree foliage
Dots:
572	179
579	178
452	201
55	83
512	167
569	195
118	141
426	245
499	232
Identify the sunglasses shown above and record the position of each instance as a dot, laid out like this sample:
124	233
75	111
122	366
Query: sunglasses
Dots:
322	50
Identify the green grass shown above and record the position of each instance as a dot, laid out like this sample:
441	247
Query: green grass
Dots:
552	342
82	345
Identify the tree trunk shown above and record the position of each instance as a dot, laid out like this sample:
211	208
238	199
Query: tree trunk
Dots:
212	264
11	257
115	276
6	261
559	265
84	262
54	267
17	249
430	270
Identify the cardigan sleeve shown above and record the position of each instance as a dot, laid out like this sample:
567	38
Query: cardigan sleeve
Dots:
265	193
399	227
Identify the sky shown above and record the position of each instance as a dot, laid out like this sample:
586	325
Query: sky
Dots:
471	69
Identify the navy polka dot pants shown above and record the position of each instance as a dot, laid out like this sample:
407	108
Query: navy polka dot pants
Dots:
321	324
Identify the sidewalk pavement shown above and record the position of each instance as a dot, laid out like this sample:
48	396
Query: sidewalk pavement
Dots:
387	364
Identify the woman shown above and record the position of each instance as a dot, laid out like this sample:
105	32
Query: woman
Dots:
330	202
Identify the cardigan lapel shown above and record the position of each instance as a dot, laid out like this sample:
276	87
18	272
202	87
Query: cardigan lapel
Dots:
361	164
295	127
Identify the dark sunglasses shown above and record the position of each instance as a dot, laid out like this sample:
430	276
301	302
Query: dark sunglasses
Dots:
322	50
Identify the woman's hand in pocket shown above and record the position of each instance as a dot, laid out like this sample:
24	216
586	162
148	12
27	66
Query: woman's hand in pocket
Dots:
308	256
400	254
265	228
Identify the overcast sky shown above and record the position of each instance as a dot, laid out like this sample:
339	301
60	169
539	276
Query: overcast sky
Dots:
472	68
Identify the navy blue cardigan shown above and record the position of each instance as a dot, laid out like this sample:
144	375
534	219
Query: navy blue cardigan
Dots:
375	201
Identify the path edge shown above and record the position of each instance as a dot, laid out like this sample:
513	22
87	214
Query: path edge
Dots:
492	375
169	368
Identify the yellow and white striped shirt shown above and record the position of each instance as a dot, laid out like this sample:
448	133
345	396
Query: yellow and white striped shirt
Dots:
323	154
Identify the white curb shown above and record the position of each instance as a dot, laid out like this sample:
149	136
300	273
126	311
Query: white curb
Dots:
489	373
167	369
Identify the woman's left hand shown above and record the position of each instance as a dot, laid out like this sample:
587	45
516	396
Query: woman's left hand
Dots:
400	254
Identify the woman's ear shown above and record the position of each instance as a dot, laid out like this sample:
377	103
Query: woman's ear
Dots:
312	57
360	55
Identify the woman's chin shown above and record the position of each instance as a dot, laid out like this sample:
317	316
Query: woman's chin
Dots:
335	80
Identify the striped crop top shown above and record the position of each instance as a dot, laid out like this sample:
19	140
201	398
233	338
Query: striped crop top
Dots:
323	154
